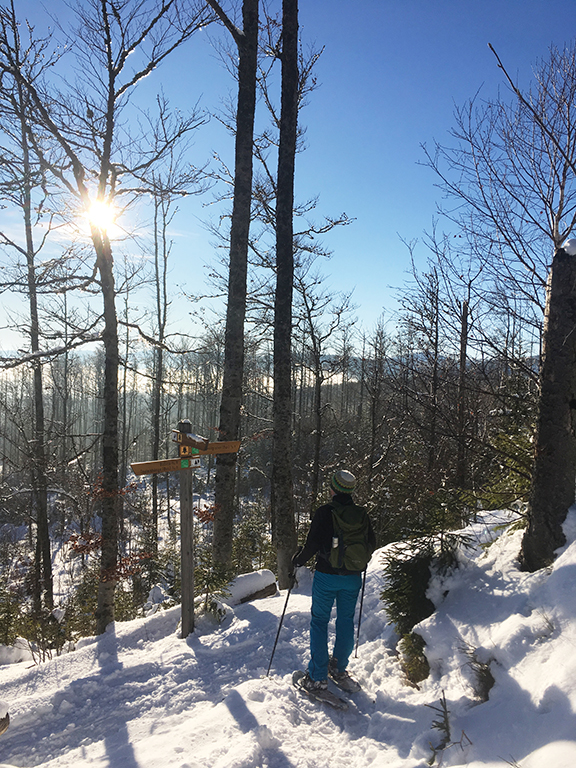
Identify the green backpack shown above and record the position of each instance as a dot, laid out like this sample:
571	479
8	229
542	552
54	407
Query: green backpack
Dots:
350	546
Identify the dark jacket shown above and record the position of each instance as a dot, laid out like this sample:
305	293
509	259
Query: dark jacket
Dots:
319	539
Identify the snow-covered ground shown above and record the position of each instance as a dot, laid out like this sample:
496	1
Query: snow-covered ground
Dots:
142	697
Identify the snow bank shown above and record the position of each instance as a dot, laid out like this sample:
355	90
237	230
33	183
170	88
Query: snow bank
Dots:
522	628
11	654
139	695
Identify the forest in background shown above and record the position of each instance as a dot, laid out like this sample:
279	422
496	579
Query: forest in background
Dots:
429	442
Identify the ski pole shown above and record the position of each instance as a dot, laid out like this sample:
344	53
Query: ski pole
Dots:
360	613
292	582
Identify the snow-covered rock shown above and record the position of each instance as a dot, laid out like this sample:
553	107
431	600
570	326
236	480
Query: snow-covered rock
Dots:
249	585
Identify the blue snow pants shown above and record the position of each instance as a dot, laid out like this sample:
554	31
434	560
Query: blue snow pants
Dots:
327	588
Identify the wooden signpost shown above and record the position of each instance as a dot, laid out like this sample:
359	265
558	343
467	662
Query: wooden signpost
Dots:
190	448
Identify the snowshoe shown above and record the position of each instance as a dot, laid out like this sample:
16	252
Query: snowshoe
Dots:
342	679
317	692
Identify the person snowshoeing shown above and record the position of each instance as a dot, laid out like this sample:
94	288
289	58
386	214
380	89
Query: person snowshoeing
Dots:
342	538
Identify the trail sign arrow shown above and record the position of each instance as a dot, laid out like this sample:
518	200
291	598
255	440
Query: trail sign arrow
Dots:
230	446
173	465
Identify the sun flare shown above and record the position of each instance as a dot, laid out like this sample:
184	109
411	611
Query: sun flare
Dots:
102	215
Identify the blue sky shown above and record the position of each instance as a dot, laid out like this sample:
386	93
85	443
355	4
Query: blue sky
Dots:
389	78
391	74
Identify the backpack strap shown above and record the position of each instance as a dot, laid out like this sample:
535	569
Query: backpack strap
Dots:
325	555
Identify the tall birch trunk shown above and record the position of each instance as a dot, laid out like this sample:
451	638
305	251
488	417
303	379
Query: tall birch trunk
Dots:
109	484
282	489
231	402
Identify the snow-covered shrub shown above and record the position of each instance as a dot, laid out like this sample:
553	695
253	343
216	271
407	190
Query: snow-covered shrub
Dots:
158	599
413	660
507	480
80	608
9	613
407	576
211	580
169	573
42	633
46	635
482	679
252	548
419	503
211	607
442	724
407	570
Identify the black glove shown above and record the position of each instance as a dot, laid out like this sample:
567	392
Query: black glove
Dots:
295	557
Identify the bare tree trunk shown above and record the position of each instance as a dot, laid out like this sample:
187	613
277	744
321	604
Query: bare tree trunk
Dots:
554	474
43	559
317	411
161	252
109	485
229	428
374	385
65	391
282	490
461	472
433	294
152	543
125	419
